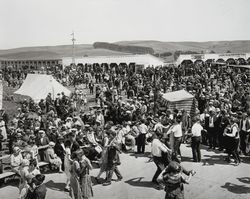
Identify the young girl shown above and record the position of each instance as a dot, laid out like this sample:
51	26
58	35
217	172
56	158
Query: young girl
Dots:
67	163
173	180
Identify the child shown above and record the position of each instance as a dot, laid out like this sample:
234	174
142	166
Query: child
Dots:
172	178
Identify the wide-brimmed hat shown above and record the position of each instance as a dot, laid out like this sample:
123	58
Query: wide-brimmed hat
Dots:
16	149
18	135
60	137
86	125
41	131
52	144
69	118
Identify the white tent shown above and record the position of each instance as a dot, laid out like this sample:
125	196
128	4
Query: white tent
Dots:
179	100
37	86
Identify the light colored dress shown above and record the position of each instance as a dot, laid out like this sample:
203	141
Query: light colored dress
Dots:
86	183
23	186
104	157
67	163
75	188
52	157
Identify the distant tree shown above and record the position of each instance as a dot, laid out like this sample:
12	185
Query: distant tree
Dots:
212	52
166	54
228	51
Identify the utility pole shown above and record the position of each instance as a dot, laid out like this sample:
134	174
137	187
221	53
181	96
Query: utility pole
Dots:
154	91
73	47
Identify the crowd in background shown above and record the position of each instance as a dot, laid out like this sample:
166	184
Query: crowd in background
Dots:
129	113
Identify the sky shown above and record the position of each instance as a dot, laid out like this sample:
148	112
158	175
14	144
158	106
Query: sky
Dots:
50	22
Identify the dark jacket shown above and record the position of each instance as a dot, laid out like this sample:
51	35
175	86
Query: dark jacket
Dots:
38	193
59	150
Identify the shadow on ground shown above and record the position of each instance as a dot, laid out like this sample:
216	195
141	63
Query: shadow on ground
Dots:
237	189
244	180
55	186
209	160
146	154
137	182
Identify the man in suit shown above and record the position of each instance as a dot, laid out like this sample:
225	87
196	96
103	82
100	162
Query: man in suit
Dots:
218	133
60	149
42	141
74	144
244	133
210	127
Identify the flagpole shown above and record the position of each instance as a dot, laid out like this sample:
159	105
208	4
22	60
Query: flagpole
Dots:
73	47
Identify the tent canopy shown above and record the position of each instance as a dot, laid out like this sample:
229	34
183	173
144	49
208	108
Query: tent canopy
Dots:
38	86
180	100
177	96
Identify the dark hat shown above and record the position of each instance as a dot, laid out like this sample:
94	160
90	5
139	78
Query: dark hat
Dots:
38	179
60	137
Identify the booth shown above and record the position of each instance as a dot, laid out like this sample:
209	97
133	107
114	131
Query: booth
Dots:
180	99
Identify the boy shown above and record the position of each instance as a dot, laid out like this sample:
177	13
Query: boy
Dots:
173	180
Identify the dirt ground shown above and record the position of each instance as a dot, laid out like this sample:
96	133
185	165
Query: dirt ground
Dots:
215	179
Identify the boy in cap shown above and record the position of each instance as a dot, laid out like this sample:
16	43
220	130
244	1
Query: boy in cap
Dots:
172	179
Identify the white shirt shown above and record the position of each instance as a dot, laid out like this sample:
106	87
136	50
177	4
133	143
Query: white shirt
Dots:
211	122
158	147
143	128
196	129
244	125
177	130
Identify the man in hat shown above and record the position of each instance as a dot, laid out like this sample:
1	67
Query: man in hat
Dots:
196	139
74	144
60	149
157	151
210	127
244	128
58	104
141	140
99	118
42	141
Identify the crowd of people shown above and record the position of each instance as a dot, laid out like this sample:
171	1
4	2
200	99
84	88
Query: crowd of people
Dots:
129	114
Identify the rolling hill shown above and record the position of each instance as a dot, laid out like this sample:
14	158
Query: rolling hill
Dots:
158	47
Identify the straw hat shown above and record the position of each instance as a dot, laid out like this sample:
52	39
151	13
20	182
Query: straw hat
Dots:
51	144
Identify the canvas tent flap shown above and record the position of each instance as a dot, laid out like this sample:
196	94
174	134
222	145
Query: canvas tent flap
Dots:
177	96
180	100
37	86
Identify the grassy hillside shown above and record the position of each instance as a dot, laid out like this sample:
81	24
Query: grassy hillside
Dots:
41	52
54	52
217	46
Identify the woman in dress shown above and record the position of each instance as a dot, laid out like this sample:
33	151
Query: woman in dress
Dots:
33	169
75	189
86	184
104	157
67	163
16	160
24	173
52	157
